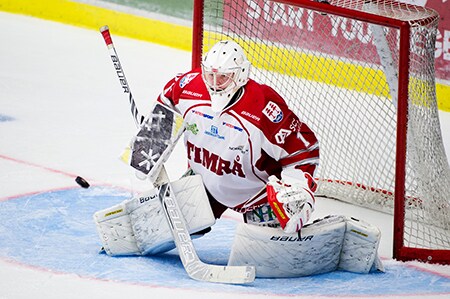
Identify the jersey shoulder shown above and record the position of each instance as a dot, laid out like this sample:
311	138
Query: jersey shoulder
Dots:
187	86
262	106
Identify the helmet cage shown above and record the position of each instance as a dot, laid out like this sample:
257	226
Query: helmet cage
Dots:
219	81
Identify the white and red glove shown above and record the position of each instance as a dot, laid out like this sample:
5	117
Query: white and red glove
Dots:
291	198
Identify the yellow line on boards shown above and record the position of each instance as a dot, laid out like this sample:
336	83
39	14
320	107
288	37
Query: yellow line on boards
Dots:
168	34
90	16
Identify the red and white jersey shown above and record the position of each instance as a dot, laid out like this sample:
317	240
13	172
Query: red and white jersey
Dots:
235	151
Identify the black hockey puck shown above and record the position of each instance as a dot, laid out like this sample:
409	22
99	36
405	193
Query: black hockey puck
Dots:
82	182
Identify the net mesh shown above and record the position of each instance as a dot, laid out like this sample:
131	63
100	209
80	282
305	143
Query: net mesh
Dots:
340	77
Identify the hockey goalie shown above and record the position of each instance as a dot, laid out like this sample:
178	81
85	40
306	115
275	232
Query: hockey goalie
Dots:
247	151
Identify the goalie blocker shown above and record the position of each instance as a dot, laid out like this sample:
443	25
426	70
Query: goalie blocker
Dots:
154	142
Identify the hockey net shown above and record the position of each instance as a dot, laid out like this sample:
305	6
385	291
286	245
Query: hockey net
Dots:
361	75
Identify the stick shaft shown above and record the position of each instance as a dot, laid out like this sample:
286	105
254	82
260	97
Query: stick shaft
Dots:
138	118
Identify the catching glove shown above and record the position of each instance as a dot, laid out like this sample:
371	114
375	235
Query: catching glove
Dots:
291	198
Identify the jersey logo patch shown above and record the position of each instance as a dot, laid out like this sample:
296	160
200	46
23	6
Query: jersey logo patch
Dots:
252	116
232	126
273	112
239	148
199	113
186	79
214	132
192	94
280	137
192	128
213	162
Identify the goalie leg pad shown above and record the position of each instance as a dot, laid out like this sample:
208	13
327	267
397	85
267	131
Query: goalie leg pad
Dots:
328	244
277	254
140	228
115	231
360	248
150	228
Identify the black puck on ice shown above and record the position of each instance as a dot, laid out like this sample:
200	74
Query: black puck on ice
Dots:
82	182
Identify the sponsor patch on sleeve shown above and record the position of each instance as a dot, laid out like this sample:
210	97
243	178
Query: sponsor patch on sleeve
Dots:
186	79
273	112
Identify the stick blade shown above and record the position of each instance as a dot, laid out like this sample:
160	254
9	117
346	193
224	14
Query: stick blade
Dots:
234	275
195	268
221	274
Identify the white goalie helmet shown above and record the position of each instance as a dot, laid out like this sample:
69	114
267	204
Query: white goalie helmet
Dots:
225	69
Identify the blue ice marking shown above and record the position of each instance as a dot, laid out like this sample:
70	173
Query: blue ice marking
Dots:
55	230
5	118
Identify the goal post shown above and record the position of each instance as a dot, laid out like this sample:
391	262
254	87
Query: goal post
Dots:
360	73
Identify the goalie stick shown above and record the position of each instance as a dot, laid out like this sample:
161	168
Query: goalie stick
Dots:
138	118
195	268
